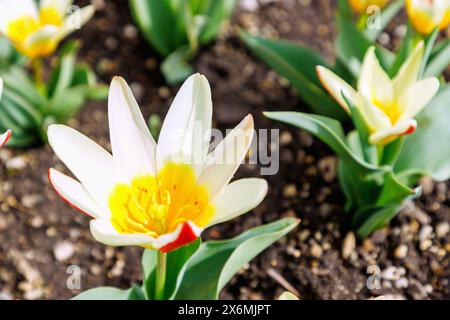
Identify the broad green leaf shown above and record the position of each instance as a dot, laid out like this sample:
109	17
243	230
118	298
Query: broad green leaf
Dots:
439	61
67	103
18	81
217	13
326	129
175	67
429	44
156	21
352	45
424	150
369	151
216	262
393	191
62	75
298	65
364	185
386	16
111	293
406	48
391	152
375	218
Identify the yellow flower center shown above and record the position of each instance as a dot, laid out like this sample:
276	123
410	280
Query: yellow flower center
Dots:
22	28
157	205
390	109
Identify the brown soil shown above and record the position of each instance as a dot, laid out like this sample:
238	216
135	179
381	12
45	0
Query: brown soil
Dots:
40	236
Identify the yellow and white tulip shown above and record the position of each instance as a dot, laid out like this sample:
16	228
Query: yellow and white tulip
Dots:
388	106
163	195
36	30
426	15
361	6
5	136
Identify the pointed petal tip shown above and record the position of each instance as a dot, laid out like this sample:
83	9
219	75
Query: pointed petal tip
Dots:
51	175
5	137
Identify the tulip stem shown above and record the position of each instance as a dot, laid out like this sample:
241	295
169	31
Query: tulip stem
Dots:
38	73
161	265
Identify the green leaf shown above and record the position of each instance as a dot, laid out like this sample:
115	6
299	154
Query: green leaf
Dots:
369	151
175	67
62	76
364	185
439	61
406	48
429	44
386	16
176	261
157	22
298	65
375	218
391	152
217	13
352	45
111	293
423	150
67	103
18	81
216	262
328	130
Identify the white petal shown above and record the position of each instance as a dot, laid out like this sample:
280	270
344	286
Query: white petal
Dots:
336	87
4	138
409	71
167	238
91	164
186	132
45	33
1	87
238	198
374	84
74	194
60	5
10	11
132	144
417	96
387	135
227	156
375	118
76	20
104	232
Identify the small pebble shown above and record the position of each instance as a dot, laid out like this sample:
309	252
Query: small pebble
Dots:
348	246
63	251
402	283
316	250
290	191
401	251
425	232
442	229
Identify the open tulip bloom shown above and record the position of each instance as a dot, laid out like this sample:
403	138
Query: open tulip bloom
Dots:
387	106
36	30
426	15
156	196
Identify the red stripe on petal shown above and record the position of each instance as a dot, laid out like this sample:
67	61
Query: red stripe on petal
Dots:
64	198
410	130
8	135
187	235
